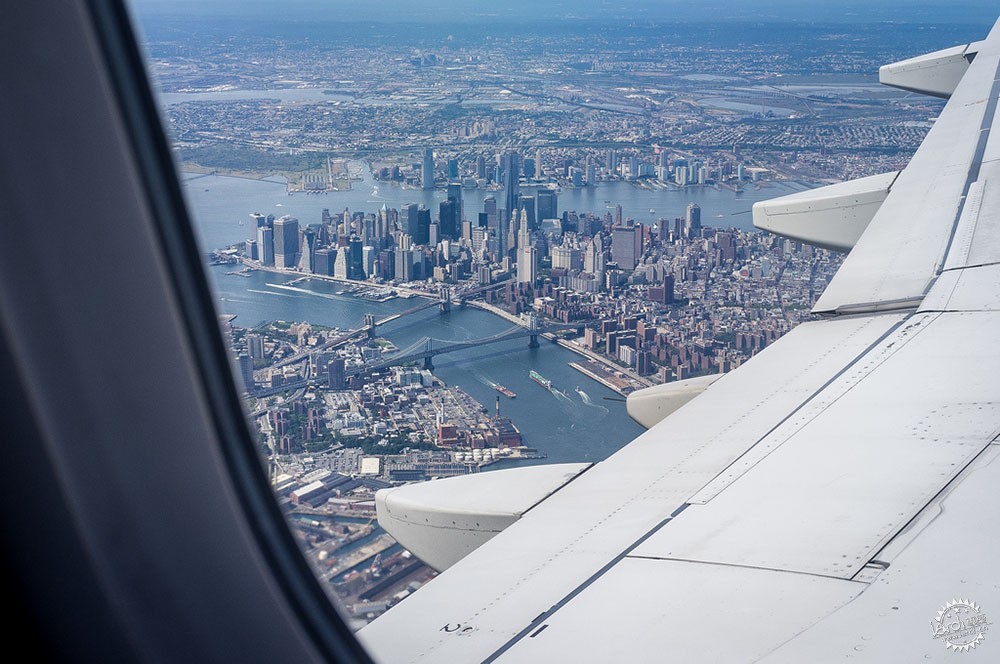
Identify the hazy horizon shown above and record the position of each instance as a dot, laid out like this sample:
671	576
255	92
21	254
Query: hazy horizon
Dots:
457	11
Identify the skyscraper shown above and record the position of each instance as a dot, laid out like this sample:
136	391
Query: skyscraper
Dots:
325	260
355	265
265	245
286	242
385	265
511	186
404	264
448	218
246	372
528	212
527	257
502	231
490	208
308	260
626	243
337	375
455	195
692	222
409	219
340	261
427	170
593	258
547	204
255	346
513	230
423	234
368	254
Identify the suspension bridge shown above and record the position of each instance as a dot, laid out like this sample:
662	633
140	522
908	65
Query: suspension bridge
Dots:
427	348
444	301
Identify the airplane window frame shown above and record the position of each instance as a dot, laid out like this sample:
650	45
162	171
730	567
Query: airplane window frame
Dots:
126	68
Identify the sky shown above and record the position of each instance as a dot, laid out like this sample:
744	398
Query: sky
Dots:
447	11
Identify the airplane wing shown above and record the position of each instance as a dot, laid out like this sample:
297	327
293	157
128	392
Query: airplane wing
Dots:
834	497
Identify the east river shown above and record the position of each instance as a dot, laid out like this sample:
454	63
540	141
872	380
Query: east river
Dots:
580	420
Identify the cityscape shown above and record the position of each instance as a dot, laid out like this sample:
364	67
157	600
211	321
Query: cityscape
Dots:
489	131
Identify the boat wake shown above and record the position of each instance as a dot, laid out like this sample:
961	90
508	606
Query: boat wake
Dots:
267	292
306	291
559	394
587	401
483	379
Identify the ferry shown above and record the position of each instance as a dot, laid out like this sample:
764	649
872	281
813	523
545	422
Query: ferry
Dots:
505	391
540	379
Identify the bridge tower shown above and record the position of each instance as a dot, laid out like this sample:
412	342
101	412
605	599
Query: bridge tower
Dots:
370	325
428	365
444	301
533	327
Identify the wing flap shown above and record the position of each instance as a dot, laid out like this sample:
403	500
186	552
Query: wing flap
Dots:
834	483
691	613
970	289
947	553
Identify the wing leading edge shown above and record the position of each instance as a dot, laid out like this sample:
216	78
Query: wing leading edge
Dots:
798	508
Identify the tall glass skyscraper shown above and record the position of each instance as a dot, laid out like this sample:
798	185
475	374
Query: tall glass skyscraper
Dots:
427	171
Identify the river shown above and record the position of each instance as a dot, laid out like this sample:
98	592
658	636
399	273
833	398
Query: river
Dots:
222	205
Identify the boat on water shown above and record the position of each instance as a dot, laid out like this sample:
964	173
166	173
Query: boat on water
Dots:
507	392
540	379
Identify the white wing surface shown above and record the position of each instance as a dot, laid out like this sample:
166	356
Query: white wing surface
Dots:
824	501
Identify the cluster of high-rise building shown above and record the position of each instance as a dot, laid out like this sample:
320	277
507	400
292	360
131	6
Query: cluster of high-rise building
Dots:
518	234
415	243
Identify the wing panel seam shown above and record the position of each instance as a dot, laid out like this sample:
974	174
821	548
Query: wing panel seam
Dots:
847	367
534	624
